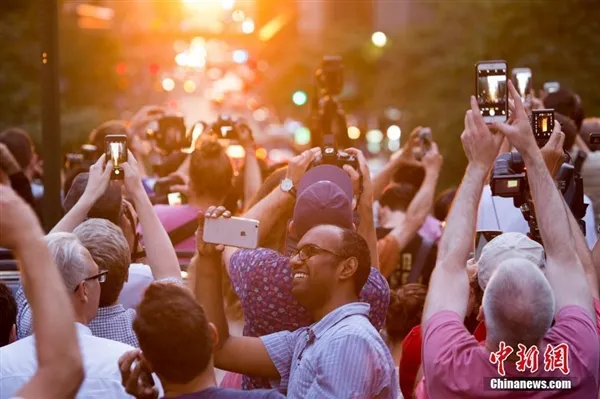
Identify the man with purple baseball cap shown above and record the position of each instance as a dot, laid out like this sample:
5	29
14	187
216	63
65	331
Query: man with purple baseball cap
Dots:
262	278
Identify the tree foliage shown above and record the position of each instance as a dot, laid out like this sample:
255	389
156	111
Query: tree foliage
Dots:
428	70
88	83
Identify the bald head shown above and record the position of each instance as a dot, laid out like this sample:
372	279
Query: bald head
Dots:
518	304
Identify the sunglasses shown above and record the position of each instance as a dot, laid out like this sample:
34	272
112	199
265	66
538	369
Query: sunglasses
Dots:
310	250
100	276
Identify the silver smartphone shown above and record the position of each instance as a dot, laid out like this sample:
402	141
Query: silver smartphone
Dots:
232	232
492	90
522	79
482	237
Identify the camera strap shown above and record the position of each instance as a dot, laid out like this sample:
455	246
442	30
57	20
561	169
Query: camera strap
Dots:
183	232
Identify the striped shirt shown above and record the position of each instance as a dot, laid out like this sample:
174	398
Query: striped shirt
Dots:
341	356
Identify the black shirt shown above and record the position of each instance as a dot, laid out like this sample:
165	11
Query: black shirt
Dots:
409	256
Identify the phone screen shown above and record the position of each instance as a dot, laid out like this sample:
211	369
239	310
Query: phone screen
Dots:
116	151
492	94
522	81
543	125
482	237
174	199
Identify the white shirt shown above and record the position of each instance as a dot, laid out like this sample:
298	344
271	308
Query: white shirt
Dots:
590	171
498	213
140	277
18	364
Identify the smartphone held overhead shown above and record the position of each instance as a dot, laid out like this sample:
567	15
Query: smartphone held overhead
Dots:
232	232
492	90
115	148
542	121
522	80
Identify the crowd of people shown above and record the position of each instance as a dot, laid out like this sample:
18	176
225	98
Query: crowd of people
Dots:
363	285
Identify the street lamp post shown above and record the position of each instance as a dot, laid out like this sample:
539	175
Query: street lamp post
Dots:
51	151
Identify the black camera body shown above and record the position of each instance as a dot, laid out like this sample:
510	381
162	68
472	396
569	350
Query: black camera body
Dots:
225	128
86	157
170	134
331	156
509	180
595	138
328	121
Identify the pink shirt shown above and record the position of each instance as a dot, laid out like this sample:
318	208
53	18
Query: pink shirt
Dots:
455	364
172	217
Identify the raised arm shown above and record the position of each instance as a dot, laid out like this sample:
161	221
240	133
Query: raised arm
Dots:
244	355
98	181
60	367
270	209
252	173
404	155
563	268
366	227
160	253
416	213
449	284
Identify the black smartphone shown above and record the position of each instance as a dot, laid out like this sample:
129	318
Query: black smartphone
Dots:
551	87
521	78
595	138
115	147
542	121
492	91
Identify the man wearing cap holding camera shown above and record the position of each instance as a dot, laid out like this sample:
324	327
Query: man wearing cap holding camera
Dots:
262	278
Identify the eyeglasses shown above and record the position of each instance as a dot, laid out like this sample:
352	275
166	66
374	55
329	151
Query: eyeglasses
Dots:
100	276
310	250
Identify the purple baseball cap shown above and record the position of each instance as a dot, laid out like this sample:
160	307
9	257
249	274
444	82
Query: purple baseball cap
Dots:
324	197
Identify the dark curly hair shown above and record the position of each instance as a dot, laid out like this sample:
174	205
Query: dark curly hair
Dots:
405	310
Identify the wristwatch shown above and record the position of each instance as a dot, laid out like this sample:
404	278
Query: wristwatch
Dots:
287	186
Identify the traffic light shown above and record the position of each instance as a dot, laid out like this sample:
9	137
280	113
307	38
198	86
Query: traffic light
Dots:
299	98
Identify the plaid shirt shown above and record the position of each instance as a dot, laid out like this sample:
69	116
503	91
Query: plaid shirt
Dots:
111	322
115	323
340	356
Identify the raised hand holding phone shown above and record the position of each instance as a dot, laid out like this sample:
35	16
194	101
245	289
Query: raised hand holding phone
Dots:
115	149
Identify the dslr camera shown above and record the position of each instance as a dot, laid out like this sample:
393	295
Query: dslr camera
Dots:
331	156
225	128
329	129
169	133
86	157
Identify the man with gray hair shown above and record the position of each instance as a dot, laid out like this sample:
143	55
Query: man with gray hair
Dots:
519	304
110	248
82	278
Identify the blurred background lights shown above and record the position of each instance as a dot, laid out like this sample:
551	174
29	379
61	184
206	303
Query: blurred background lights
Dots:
394	145
238	16
260	115
353	132
374	136
248	26
240	56
394	132
261	153
393	113
236	151
374	148
299	98
168	84
228	4
379	39
189	86
302	136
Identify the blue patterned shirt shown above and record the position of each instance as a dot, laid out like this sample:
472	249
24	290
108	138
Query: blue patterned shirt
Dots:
341	356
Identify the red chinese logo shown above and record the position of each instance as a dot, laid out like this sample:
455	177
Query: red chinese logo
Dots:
500	356
557	358
528	358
